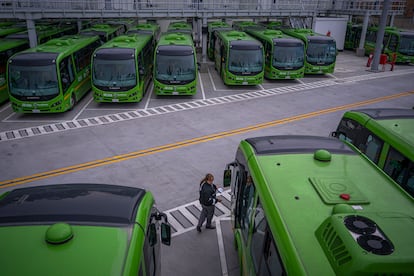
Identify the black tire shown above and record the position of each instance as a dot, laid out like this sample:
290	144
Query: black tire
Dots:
72	101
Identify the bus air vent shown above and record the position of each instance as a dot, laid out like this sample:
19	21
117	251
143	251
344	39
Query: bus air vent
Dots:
368	235
360	225
272	32
368	243
375	244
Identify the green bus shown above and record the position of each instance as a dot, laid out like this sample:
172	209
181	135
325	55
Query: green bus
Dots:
284	55
44	32
239	58
53	76
211	35
146	28
175	65
386	137
244	25
395	41
274	25
352	36
310	205
81	229
11	29
122	68
320	50
105	31
180	27
8	47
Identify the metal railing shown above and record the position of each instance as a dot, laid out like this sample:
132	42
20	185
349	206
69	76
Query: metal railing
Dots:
159	8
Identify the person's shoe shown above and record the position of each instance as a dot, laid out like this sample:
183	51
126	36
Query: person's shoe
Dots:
198	229
210	227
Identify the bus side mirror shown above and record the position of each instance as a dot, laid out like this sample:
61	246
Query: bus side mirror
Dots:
152	234
165	233
334	134
227	178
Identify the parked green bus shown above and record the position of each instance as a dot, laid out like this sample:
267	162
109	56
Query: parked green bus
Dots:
122	68
310	205
105	31
239	58
53	76
320	50
243	25
386	137
284	55
8	47
181	27
175	65
352	36
146	28
11	29
395	41
44	33
81	229
211	35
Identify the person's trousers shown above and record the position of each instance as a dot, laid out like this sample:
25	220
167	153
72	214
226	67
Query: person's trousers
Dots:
206	212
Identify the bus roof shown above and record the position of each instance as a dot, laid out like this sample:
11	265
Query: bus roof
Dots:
70	229
174	39
128	41
313	190
62	44
76	203
386	121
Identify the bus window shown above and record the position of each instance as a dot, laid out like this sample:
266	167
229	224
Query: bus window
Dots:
264	253
258	237
393	43
247	205
399	168
373	146
66	73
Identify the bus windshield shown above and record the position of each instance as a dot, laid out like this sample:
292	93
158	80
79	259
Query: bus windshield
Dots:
407	45
245	61
321	52
173	67
114	72
288	56
34	82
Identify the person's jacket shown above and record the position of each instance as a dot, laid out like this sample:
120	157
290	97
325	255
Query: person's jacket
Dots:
208	194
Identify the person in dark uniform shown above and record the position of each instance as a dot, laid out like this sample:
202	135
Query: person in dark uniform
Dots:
208	201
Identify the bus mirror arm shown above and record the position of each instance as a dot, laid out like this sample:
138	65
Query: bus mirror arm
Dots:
227	174
159	216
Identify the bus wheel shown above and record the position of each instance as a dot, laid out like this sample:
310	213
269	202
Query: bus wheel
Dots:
72	101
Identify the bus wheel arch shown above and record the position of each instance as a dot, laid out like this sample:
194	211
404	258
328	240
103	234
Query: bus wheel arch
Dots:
73	101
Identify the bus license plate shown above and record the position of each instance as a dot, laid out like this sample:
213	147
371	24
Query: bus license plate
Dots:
36	111
245	83
175	93
115	100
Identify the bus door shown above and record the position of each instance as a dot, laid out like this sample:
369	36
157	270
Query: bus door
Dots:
233	177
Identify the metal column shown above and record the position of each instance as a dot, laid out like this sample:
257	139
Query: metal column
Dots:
360	52
380	36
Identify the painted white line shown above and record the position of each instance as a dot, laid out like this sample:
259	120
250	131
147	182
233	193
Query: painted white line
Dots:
149	96
201	86
301	81
222	252
199	103
332	76
7	106
83	108
211	79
